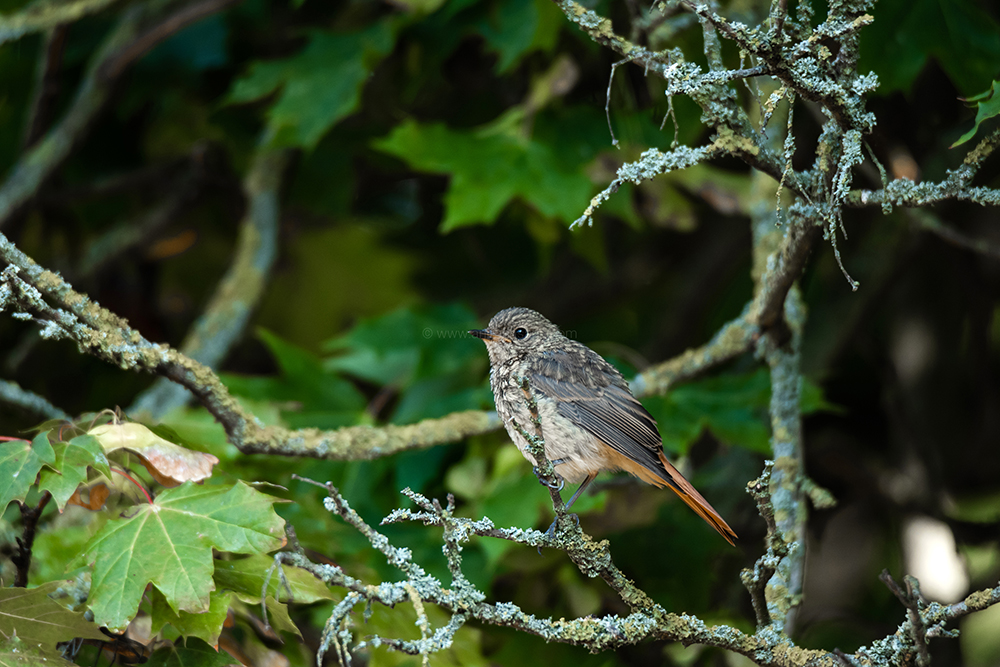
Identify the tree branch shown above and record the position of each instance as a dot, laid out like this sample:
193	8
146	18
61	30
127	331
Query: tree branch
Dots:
29	517
41	15
24	288
46	85
14	395
464	602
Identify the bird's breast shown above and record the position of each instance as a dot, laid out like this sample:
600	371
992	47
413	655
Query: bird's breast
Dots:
580	452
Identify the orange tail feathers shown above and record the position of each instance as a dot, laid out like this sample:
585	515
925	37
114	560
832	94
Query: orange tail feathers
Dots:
695	501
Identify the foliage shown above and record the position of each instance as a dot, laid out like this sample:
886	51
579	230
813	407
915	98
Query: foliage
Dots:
987	106
167	542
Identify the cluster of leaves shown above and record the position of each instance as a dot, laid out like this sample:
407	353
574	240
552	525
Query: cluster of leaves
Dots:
150	558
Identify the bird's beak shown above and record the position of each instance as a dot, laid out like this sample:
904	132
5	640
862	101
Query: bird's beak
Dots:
487	335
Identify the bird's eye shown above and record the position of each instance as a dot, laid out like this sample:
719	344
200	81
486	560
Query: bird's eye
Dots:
520	332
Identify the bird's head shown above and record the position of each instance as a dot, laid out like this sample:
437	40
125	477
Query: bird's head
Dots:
516	332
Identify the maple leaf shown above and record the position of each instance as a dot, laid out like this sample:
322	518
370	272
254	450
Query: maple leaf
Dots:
73	458
38	620
20	462
169	543
490	167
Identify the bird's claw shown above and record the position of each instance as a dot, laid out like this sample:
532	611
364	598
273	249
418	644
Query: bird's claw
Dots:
558	486
551	532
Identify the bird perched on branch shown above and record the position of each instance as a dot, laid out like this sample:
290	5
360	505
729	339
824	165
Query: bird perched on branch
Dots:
589	419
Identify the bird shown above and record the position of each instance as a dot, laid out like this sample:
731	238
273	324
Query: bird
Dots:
590	422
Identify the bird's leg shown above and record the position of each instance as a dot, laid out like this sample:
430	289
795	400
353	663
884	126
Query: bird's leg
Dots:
584	485
552	529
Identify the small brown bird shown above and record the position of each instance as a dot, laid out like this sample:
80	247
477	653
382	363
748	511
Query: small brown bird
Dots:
589	418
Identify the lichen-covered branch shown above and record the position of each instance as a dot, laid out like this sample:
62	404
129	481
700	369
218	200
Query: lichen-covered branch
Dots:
228	311
924	621
735	135
955	186
459	598
26	291
466	603
784	591
650	164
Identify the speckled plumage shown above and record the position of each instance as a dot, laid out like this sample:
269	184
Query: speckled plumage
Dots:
590	421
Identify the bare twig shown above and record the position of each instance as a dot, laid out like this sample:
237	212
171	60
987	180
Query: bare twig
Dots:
910	599
46	85
112	68
926	220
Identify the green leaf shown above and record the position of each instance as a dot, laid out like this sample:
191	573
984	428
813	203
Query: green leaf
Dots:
73	459
170	543
37	619
425	352
193	653
54	549
988	103
963	38
20	462
245	577
406	345
205	625
492	166
510	30
17	653
732	406
277	614
319	86
321	399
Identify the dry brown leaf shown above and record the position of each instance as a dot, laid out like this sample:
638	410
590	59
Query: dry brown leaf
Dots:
169	464
96	497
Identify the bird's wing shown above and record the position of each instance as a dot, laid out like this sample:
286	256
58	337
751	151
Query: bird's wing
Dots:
593	396
599	401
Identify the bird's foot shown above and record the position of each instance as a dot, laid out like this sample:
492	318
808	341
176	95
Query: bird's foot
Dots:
558	486
551	532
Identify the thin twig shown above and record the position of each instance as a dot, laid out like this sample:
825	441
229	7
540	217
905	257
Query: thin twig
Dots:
29	517
47	86
917	629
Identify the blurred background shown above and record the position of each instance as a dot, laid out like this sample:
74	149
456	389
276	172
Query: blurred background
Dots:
433	156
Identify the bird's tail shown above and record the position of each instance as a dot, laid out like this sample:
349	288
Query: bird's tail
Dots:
695	501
